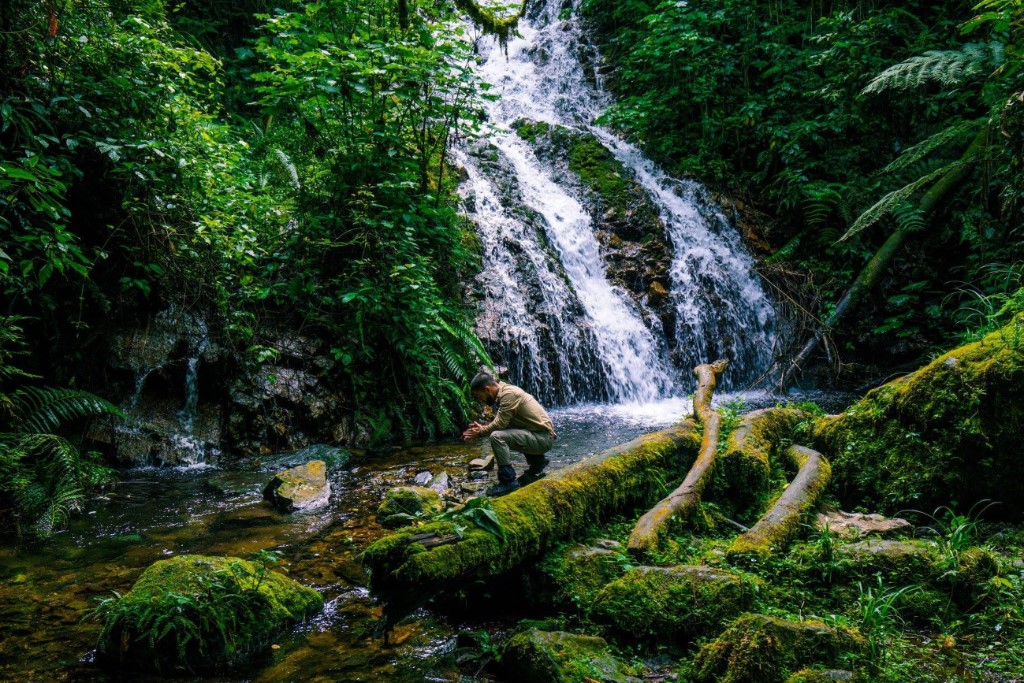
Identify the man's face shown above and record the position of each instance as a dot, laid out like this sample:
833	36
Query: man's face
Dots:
486	395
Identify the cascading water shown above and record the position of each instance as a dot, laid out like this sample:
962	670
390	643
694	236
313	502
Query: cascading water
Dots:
550	312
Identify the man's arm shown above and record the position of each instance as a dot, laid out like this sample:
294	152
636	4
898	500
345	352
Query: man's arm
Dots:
507	406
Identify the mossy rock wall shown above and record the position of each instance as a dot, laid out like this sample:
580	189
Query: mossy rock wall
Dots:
533	519
763	649
949	432
195	612
671	605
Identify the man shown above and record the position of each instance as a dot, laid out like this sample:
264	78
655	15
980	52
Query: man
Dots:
519	424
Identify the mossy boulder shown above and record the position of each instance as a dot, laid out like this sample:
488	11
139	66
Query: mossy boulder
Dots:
949	431
763	649
969	581
300	488
403	505
571	577
195	612
410	563
535	656
822	676
671	604
903	562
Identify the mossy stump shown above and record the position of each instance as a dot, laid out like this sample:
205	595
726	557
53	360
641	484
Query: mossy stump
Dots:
671	605
199	613
410	565
535	656
762	649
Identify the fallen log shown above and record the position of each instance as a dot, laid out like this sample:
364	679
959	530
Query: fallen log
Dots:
782	522
684	500
409	566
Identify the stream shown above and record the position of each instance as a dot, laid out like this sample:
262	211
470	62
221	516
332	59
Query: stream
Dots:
47	588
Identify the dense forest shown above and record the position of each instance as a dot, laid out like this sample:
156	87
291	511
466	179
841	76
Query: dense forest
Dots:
279	190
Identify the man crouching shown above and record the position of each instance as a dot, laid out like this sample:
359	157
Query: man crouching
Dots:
519	424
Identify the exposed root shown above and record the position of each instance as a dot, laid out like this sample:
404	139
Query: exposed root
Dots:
684	500
782	522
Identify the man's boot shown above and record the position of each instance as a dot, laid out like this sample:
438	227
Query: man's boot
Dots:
506	482
537	464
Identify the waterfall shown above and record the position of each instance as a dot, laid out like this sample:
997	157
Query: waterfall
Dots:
551	314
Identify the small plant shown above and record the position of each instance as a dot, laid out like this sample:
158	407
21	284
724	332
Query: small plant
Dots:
877	613
478	511
955	532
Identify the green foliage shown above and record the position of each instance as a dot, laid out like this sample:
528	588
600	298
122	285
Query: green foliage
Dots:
477	511
43	476
878	615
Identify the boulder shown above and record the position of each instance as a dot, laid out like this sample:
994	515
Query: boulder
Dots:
299	488
905	562
536	656
403	505
758	648
191	613
822	676
671	604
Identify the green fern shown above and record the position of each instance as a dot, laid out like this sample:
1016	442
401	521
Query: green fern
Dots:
897	199
42	409
946	67
912	155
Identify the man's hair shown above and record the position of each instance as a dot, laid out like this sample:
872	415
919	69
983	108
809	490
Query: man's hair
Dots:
481	380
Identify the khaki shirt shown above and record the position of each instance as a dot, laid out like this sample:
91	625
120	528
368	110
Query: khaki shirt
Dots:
517	409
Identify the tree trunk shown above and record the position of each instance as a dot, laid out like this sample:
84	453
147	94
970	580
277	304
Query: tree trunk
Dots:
873	270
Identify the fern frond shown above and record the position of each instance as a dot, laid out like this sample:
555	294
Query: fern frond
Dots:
912	155
885	206
43	410
946	67
289	168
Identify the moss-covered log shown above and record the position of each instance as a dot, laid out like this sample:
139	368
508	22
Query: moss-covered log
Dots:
684	500
949	431
782	522
404	568
743	467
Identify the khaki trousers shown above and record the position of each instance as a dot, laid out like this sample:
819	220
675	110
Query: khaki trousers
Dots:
521	440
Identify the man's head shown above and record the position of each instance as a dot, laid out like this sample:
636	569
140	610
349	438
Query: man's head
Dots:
484	388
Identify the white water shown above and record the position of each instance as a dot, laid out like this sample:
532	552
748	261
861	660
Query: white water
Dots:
566	333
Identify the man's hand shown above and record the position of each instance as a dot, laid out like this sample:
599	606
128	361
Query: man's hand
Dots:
471	433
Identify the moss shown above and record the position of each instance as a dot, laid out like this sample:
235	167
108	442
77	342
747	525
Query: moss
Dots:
531	130
671	604
571	577
535	518
759	648
950	431
401	505
198	612
535	656
902	562
742	479
822	676
969	583
773	531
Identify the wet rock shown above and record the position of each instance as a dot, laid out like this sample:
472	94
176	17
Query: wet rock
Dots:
262	604
423	478
403	505
760	648
856	524
440	483
656	293
537	656
299	488
671	604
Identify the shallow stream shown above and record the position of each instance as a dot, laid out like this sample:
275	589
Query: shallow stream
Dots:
47	588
